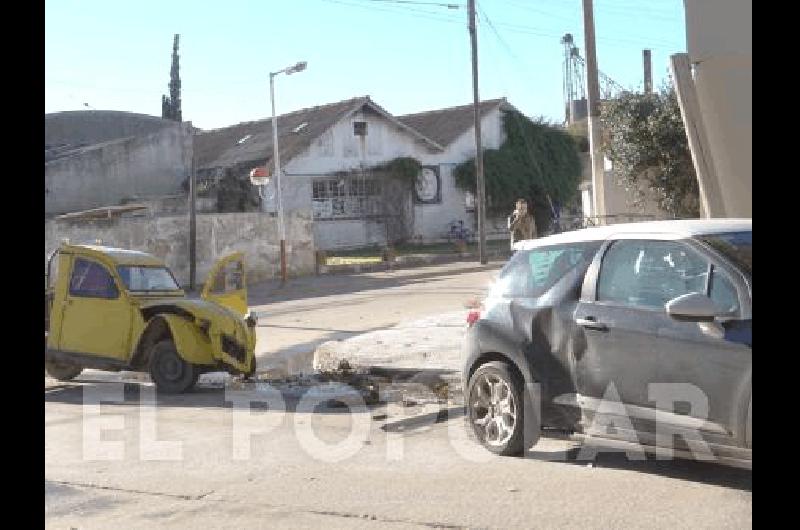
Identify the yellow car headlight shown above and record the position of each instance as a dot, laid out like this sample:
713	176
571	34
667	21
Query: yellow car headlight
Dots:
204	325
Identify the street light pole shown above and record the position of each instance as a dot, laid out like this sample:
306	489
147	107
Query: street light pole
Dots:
276	158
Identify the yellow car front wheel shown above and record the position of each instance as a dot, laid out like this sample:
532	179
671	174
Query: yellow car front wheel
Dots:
170	373
62	371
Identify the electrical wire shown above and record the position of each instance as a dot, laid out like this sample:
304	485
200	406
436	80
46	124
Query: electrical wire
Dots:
410	11
413	2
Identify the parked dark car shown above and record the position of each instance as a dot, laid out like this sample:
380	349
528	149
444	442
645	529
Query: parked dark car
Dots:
578	327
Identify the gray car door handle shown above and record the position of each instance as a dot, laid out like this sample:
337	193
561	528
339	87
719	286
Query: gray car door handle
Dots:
591	323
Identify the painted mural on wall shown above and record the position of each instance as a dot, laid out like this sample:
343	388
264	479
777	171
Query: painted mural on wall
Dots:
428	187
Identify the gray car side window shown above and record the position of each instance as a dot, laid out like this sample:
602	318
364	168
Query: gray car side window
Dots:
649	274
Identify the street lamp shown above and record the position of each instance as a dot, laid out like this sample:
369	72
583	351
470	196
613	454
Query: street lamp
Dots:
276	158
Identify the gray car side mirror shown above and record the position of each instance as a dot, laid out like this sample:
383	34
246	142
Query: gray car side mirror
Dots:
695	307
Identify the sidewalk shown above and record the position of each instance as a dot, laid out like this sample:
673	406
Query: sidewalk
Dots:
427	345
412	260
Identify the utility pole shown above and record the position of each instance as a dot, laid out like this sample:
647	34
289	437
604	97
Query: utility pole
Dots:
481	192
593	97
648	71
192	212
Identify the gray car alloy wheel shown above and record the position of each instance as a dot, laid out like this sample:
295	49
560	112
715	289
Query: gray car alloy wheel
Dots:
494	409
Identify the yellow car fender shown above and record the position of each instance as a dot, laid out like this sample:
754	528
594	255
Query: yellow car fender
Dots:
193	346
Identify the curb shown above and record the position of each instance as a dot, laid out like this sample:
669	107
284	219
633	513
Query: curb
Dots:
407	262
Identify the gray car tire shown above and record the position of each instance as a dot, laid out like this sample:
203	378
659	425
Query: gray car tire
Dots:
488	417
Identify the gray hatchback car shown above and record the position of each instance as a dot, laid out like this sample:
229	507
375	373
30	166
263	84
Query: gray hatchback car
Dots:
638	333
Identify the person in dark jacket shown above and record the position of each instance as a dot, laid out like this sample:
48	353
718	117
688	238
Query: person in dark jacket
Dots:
521	223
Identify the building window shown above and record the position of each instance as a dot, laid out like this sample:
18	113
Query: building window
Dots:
359	128
346	198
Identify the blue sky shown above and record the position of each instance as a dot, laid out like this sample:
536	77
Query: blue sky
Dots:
408	56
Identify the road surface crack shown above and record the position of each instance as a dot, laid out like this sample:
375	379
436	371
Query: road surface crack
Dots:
128	490
381	519
203	496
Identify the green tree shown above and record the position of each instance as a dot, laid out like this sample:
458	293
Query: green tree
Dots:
646	141
537	160
171	106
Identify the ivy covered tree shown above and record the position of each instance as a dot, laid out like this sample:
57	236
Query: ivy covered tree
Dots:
537	160
646	141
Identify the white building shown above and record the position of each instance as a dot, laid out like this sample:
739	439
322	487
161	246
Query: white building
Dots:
331	155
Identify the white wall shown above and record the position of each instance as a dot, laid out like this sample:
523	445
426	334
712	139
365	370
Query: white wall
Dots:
340	150
104	174
431	220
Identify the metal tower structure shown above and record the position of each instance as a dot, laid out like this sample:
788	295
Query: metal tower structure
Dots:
573	81
574	68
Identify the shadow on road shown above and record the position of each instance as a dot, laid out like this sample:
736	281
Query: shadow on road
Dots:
201	397
607	457
678	468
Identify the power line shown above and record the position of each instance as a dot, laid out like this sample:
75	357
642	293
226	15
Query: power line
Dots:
635	9
516	28
409	11
529	149
527	7
636	12
413	2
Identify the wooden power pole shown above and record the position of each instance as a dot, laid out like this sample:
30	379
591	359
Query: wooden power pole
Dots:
593	97
192	212
481	191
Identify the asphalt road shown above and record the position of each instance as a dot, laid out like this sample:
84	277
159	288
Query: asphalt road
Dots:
296	318
402	471
189	461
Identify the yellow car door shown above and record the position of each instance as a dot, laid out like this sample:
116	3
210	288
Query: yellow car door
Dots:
96	315
227	285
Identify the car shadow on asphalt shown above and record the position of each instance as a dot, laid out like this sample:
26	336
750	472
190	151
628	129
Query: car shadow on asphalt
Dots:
607	457
337	400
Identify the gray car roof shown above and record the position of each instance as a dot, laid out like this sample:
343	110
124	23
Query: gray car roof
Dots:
683	228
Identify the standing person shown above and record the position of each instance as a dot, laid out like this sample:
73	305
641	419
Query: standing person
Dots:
521	223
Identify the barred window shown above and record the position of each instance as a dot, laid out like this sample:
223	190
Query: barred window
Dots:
346	197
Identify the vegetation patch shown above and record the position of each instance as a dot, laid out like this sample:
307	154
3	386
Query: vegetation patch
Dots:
538	161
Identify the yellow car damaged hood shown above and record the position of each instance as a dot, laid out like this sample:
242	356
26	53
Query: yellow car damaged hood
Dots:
218	316
218	321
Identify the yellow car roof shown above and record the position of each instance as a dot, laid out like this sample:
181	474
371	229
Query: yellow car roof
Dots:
121	256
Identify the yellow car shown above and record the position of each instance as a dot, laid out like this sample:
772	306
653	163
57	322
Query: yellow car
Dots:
115	309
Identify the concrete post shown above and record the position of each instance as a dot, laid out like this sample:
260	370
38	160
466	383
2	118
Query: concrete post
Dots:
711	204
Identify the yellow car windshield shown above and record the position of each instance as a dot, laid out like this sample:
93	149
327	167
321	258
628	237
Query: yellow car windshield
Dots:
137	278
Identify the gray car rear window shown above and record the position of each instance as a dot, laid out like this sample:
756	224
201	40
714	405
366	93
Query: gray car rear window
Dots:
531	273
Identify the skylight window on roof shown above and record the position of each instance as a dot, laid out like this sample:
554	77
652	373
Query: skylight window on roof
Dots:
243	140
300	127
